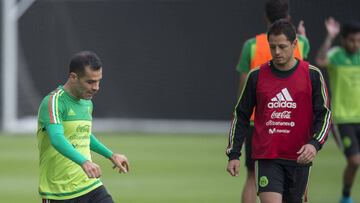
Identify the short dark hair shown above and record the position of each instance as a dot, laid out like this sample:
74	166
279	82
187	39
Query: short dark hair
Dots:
282	26
84	59
349	28
276	9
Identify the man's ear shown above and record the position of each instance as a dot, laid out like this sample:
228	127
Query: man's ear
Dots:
73	76
295	42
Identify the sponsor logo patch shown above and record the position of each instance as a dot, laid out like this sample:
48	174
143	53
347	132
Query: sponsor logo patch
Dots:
282	99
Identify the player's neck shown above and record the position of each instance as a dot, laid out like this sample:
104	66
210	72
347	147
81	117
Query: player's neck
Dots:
287	66
69	90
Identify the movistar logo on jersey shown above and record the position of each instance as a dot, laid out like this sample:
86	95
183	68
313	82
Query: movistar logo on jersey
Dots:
282	99
71	113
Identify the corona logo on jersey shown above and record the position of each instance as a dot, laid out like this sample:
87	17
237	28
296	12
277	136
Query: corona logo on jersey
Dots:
282	100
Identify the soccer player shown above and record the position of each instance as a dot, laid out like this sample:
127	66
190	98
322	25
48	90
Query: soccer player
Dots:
343	65
292	119
255	52
67	173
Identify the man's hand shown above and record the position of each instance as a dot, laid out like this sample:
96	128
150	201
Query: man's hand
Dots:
91	169
120	161
332	27
301	28
307	154
233	167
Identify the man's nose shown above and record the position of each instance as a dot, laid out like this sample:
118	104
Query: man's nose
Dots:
277	50
96	87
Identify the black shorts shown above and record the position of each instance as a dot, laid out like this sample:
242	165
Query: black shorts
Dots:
249	162
350	138
99	195
286	179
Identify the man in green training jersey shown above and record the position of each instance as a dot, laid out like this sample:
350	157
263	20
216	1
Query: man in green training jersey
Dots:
67	173
343	65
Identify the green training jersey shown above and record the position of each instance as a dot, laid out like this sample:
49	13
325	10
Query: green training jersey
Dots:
344	75
61	178
249	49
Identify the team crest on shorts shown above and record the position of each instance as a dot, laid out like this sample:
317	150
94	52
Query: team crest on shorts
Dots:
347	142
263	181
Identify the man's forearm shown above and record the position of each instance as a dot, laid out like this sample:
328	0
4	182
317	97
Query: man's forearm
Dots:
321	58
62	145
98	147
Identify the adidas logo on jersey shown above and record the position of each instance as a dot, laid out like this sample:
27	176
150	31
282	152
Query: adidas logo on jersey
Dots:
71	113
282	99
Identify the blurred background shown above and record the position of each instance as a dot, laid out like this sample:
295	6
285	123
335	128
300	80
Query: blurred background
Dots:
167	94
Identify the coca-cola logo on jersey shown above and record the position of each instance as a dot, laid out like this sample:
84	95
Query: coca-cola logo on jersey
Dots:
281	115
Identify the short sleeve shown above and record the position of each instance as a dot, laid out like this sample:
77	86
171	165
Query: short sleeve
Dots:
305	46
331	55
245	57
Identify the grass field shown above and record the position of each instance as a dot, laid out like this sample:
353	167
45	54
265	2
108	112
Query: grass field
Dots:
176	168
